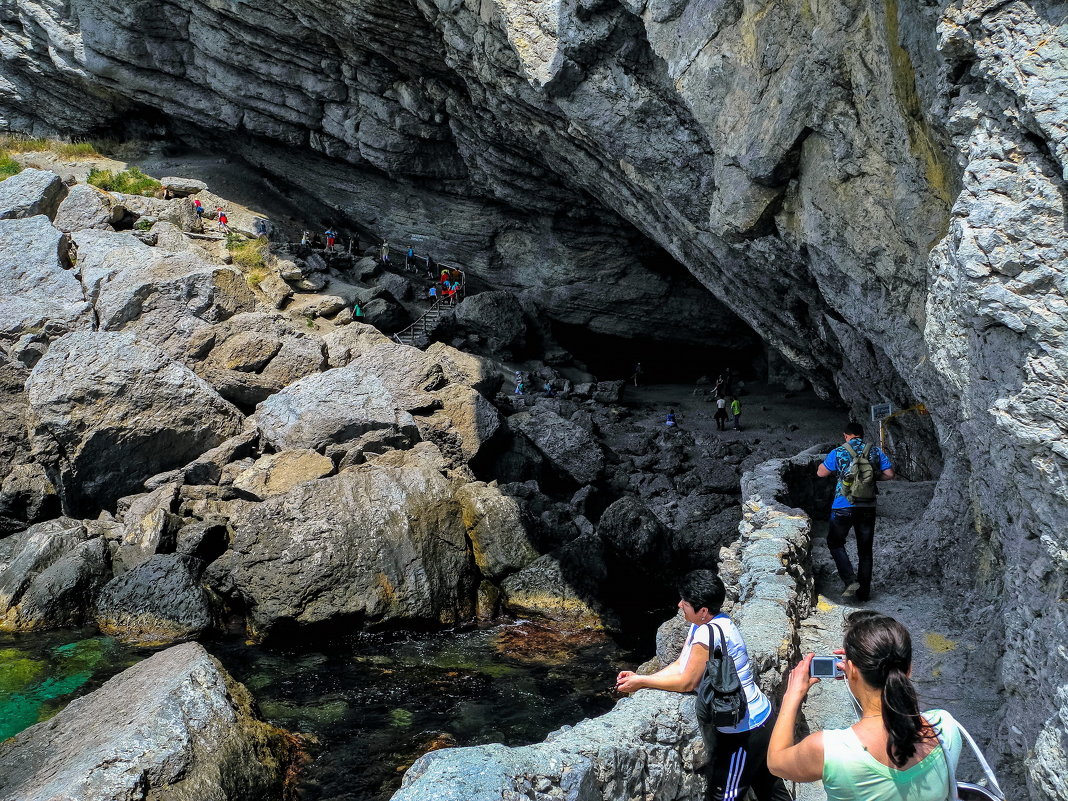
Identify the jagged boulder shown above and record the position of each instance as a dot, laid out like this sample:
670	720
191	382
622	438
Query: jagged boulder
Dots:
382	542
570	448
26	496
165	297
37	287
350	342
334	408
159	601
250	356
29	193
85	206
277	473
497	529
108	411
634	533
563	586
52	576
149	526
492	321
174	726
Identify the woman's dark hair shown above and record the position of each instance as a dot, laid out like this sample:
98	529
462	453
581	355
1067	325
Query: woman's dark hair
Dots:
702	588
881	649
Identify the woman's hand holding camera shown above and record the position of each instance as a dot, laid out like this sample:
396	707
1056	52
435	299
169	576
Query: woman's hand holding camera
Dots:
800	681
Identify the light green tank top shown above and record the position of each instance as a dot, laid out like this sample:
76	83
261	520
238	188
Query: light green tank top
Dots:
850	773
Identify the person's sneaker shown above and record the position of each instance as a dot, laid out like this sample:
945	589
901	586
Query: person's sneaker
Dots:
851	590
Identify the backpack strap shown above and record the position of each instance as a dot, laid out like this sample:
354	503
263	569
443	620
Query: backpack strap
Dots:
849	448
867	450
722	639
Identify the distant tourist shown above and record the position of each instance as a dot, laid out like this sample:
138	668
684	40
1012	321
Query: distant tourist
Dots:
857	466
198	207
305	239
548	389
670	422
223	220
717	388
721	414
429	266
357	312
432	294
892	751
385	254
736	413
637	375
738	753
331	238
409	259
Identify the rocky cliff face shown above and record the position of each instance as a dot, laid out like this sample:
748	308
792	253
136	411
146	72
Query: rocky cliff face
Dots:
877	188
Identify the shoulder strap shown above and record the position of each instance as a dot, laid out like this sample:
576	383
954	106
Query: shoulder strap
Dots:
867	450
722	638
849	448
951	775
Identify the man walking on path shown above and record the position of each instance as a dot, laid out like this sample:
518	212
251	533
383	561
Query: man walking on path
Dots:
331	238
856	466
223	221
736	413
385	254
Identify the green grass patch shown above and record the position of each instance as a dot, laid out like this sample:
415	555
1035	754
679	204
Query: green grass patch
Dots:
128	182
77	150
8	166
143	224
248	254
14	143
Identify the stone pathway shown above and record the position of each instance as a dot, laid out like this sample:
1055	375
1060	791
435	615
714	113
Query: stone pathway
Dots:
950	667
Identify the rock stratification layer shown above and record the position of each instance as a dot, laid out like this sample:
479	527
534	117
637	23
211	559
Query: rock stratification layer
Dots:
876	188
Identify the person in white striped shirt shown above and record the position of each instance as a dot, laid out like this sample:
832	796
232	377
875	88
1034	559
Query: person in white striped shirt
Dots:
737	754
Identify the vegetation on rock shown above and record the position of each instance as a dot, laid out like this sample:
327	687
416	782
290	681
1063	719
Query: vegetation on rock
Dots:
128	182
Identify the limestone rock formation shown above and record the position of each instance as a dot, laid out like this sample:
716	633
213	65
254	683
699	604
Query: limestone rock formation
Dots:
377	543
173	726
876	189
277	473
38	288
108	410
29	193
86	206
498	532
570	448
166	298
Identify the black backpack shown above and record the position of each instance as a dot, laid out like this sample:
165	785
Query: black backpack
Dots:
720	700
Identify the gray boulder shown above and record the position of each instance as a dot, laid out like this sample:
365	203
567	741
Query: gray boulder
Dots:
27	495
568	447
166	298
85	206
181	187
159	601
334	407
277	473
252	355
108	411
29	193
631	529
382	542
52	576
37	287
563	586
495	321
497	530
148	526
174	726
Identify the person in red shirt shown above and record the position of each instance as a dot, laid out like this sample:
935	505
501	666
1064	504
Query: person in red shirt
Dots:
222	220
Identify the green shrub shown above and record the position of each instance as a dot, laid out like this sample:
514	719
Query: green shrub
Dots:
8	166
129	182
143	224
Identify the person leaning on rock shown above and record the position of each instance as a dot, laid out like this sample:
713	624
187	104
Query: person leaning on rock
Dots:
737	753
854	505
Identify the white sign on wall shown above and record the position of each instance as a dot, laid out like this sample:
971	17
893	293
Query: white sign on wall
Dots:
881	410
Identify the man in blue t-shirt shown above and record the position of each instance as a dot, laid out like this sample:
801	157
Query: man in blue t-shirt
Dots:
854	514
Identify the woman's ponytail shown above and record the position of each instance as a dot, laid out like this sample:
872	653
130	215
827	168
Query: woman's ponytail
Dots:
881	649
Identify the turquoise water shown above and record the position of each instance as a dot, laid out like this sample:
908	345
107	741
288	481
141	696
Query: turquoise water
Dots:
369	704
41	673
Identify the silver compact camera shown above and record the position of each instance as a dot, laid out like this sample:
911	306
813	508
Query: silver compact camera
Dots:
826	667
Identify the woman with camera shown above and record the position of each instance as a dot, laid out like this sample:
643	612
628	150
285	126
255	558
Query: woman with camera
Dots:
736	753
893	752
